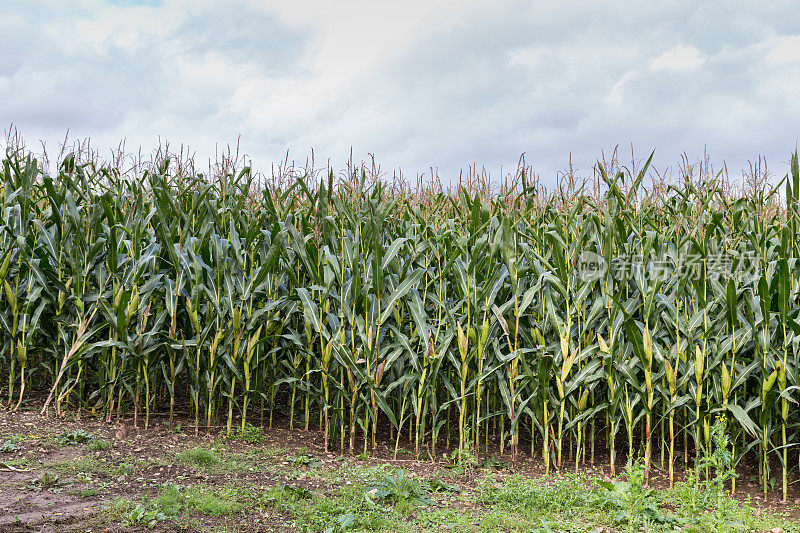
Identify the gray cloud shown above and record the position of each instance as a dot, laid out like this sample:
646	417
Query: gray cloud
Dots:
441	84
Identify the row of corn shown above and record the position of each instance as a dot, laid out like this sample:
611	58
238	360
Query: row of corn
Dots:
586	326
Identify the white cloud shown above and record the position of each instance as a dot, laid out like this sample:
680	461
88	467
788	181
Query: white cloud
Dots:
525	57
679	58
419	84
787	50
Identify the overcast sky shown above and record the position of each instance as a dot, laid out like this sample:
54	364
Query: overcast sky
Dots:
417	84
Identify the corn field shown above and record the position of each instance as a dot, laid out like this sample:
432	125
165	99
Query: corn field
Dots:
581	326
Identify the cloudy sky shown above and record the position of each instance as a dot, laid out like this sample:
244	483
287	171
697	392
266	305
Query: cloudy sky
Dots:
418	84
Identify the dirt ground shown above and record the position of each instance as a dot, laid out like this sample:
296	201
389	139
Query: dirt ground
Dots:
68	475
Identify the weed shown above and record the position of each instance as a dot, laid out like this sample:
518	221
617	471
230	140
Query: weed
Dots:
706	504
47	481
494	463
286	494
74	436
435	484
139	515
84	477
461	461
720	461
399	489
8	447
305	459
635	505
125	468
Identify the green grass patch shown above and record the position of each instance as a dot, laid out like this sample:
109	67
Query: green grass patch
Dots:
74	466
346	509
201	458
98	445
557	494
181	505
249	434
515	501
18	462
213	501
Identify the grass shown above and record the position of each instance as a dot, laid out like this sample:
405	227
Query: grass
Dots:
80	464
566	500
518	492
97	445
16	438
200	458
345	508
89	464
115	510
124	468
172	500
213	501
182	504
249	434
383	498
18	462
223	461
